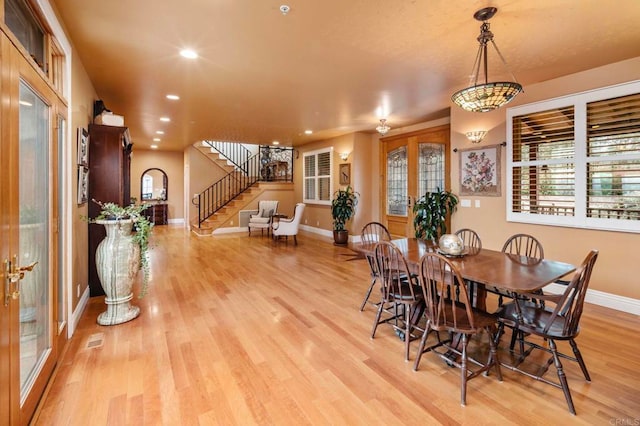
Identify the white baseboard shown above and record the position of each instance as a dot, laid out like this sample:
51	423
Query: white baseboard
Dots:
600	298
177	221
318	231
77	313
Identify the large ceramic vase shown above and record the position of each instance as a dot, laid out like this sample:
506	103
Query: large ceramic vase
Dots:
117	262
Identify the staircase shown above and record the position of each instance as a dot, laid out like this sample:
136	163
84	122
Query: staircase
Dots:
222	201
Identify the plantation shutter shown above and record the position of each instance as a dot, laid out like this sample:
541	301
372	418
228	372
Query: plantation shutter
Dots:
613	150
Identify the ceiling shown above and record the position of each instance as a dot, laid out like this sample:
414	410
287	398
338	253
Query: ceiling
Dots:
332	66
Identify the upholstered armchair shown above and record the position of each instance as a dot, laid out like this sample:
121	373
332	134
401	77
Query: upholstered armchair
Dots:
262	220
286	227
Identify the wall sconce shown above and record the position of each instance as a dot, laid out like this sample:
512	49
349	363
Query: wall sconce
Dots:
344	156
476	136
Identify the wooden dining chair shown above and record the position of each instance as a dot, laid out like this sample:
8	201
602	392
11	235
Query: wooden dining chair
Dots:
472	242
458	318
523	245
557	323
520	245
401	293
373	232
470	238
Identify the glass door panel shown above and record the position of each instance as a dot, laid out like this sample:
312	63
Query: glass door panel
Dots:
397	182
430	167
34	202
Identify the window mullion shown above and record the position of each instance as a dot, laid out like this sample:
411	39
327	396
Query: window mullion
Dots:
580	159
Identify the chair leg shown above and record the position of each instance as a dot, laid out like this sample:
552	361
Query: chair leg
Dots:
377	320
423	341
578	356
463	371
561	376
295	240
407	333
366	297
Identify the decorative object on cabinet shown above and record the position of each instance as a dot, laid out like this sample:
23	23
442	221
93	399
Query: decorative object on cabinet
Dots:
83	147
480	171
109	182
83	185
343	207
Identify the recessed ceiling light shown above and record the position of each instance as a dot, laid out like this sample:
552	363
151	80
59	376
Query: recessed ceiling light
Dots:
275	143
308	132
154	146
188	53
159	132
173	97
165	119
157	139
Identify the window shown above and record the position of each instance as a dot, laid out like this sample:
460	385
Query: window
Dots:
318	180
29	24
22	22
575	161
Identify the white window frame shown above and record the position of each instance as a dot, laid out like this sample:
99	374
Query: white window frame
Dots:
315	176
579	101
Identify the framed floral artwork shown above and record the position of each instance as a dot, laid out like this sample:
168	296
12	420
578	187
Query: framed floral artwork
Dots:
480	171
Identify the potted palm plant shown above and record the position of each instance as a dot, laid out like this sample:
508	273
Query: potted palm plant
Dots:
431	212
343	207
119	257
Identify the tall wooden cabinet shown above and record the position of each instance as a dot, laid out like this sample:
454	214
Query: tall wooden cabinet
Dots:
109	181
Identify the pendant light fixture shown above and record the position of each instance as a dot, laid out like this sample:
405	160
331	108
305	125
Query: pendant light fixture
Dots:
383	129
486	96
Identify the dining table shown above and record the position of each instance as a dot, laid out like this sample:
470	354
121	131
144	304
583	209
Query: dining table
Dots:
505	271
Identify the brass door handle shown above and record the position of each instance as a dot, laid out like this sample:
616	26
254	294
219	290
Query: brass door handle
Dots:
12	275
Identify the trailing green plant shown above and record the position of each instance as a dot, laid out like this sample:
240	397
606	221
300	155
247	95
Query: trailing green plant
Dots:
343	207
431	212
142	227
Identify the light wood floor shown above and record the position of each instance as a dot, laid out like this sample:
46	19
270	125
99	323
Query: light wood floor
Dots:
243	330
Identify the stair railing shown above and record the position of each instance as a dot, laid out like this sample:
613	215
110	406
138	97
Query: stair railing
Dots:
236	153
226	189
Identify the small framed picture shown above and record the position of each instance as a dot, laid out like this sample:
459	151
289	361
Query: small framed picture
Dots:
345	173
83	147
83	185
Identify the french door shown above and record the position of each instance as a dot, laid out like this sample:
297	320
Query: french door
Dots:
29	292
412	164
